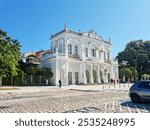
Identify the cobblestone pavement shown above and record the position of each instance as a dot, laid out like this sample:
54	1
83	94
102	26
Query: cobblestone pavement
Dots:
71	101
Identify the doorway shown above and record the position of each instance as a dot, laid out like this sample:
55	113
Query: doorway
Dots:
69	78
76	78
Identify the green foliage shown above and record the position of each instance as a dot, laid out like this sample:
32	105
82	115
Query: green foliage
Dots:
34	69
45	71
145	76
136	52
11	65
127	72
9	55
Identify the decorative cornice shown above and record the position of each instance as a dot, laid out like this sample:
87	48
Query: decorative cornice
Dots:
65	30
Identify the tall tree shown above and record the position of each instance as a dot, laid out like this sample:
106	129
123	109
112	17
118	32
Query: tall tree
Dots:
9	55
137	55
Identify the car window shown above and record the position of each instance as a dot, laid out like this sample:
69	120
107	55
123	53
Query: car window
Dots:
144	85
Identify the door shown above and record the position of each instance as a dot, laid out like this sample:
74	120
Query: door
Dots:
144	90
69	78
108	77
76	78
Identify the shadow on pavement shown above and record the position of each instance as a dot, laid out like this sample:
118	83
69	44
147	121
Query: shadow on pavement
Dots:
83	110
142	106
3	107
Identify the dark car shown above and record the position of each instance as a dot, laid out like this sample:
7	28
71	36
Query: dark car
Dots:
140	91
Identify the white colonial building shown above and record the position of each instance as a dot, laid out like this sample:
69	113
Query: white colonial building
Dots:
78	57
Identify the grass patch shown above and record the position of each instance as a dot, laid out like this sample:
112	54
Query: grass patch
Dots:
8	88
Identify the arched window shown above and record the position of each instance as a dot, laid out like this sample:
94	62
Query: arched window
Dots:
101	76
94	76
69	49
108	56
100	55
104	56
93	52
61	46
76	50
86	52
54	49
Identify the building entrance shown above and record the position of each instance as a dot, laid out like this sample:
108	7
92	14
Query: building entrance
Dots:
69	78
76	78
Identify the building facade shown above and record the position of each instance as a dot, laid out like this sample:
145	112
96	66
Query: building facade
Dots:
80	58
33	57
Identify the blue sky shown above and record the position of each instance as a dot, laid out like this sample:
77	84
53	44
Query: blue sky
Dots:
33	21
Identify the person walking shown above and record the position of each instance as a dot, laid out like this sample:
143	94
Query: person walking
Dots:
60	83
46	82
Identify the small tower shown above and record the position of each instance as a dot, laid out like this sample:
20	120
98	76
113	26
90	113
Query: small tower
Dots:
65	27
109	41
79	32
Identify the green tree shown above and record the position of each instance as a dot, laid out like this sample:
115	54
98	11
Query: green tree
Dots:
136	52
9	55
126	73
45	71
32	70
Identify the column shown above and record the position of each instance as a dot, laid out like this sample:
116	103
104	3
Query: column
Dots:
82	52
81	49
103	53
105	75
117	72
72	49
112	76
98	75
91	73
84	74
112	73
73	77
66	73
66	45
81	80
101	56
66	50
56	73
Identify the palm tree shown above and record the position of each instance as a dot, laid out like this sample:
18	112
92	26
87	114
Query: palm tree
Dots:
3	34
9	55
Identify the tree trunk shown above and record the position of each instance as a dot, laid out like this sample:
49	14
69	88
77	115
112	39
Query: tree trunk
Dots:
11	81
31	79
124	78
39	79
0	80
22	81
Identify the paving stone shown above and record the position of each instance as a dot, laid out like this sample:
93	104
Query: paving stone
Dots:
71	101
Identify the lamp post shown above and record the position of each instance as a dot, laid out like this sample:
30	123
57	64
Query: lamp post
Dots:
60	66
136	65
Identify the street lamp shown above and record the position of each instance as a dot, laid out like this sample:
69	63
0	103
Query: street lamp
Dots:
136	65
60	66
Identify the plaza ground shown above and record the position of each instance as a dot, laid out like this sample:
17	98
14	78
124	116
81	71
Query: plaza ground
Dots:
70	99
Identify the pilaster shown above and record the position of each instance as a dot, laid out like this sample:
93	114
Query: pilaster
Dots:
84	74
98	75
91	73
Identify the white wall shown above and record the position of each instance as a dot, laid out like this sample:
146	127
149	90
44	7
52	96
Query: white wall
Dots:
74	65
